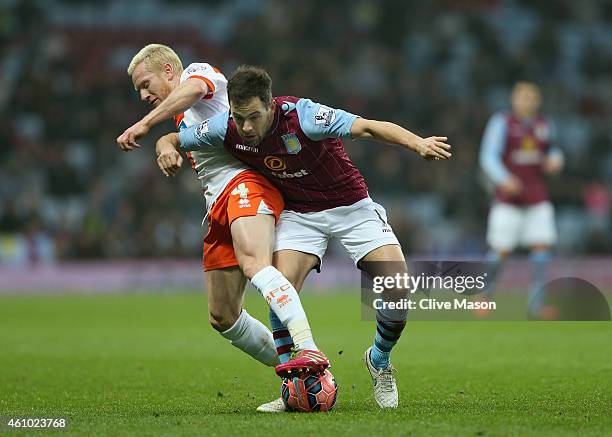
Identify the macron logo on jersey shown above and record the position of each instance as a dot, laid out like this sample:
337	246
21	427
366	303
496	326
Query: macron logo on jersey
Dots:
246	148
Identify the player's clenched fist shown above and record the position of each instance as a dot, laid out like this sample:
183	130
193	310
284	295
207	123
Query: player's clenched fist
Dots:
434	148
169	159
170	162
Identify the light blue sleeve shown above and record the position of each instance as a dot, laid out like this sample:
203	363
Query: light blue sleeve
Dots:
319	121
492	149
210	132
553	149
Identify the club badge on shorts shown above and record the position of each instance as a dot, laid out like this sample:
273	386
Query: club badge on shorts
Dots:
292	143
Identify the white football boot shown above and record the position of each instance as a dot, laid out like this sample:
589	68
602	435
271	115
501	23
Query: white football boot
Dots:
275	406
385	388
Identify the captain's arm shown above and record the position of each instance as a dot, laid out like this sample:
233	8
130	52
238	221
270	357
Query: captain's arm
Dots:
178	101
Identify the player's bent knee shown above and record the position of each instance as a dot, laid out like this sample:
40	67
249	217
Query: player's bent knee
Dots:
295	265
222	321
251	265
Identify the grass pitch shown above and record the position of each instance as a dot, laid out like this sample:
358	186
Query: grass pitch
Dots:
151	364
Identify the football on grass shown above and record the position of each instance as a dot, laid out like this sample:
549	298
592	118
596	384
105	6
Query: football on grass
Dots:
310	393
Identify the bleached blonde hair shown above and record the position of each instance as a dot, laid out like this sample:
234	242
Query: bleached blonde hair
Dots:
155	56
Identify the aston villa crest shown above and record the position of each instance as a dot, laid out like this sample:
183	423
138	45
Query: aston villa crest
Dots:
292	143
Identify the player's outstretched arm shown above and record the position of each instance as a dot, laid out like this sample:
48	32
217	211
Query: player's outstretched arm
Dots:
390	133
168	154
178	101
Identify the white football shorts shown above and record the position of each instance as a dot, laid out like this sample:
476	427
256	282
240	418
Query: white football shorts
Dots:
360	228
511	226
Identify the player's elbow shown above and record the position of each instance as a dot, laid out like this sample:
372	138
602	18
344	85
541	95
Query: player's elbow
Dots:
363	128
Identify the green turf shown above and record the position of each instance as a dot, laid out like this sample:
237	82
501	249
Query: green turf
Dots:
151	364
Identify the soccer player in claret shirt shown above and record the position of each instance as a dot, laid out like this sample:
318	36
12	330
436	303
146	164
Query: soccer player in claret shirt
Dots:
298	144
240	203
516	154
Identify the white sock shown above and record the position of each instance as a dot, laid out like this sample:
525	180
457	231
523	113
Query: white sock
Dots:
253	337
284	300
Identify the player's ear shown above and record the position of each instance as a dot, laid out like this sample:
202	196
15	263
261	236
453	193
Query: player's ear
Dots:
169	71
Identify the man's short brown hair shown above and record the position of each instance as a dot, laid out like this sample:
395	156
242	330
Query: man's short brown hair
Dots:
247	82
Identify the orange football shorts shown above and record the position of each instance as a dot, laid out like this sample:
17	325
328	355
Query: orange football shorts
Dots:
247	194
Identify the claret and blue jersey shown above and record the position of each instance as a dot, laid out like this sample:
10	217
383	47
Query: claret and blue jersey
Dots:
518	147
302	153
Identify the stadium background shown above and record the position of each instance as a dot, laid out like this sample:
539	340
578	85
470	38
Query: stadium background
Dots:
79	217
439	67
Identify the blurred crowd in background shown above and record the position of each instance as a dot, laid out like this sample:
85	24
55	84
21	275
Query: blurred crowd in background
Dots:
436	67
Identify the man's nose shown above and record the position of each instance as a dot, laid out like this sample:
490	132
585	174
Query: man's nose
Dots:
247	126
145	95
